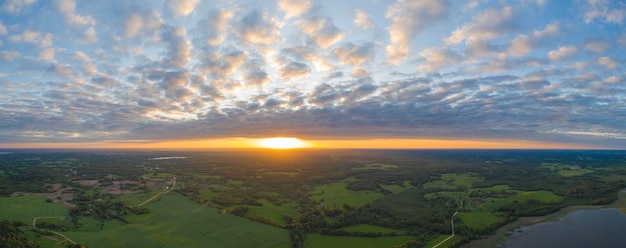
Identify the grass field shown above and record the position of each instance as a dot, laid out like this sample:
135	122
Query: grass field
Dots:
272	211
372	229
479	219
175	221
26	208
397	189
317	240
336	194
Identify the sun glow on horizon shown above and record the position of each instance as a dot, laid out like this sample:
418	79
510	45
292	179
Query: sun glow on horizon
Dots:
282	143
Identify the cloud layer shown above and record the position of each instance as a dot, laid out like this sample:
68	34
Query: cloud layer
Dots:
75	71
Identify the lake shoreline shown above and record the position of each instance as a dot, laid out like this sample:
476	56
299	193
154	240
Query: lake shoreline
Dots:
500	235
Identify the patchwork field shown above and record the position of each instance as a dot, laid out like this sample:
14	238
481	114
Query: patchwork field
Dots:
175	221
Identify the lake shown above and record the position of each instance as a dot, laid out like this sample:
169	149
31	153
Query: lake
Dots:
581	228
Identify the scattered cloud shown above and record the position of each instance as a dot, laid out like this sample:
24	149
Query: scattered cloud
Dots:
182	7
15	6
294	8
321	31
489	24
190	69
564	52
68	9
259	28
408	18
362	19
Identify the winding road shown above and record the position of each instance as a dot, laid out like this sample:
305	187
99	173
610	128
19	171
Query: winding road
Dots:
57	233
452	222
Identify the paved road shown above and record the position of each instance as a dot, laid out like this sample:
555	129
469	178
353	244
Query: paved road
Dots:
57	233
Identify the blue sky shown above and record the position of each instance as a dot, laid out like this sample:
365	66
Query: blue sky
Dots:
98	71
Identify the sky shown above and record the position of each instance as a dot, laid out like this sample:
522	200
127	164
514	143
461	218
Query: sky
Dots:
536	73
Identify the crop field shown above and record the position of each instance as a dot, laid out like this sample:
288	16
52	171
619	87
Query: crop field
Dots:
317	240
174	221
336	194
26	208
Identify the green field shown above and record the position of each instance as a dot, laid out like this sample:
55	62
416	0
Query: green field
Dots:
336	194
271	211
397	189
452	181
372	229
317	240
175	221
26	208
479	219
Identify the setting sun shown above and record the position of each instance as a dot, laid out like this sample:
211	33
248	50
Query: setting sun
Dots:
282	143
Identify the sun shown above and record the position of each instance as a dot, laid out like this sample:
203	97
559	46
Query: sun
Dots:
281	143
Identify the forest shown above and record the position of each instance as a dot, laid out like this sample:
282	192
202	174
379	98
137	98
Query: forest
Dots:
299	198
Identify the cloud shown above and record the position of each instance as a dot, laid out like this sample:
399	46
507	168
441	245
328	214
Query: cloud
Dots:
37	38
15	6
47	54
3	29
438	57
523	44
182	7
215	26
607	11
563	53
322	31
596	45
293	70
135	22
179	48
68	9
221	65
354	55
408	18
608	63
259	29
489	24
89	36
360	73
294	8
362	19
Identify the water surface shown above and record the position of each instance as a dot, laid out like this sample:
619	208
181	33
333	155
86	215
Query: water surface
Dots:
581	228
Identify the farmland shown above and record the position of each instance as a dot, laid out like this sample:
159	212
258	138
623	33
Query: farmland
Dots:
300	198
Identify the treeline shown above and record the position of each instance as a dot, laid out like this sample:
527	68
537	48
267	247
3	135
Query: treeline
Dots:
11	236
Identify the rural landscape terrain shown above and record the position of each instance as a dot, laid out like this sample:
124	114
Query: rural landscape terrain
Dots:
290	198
